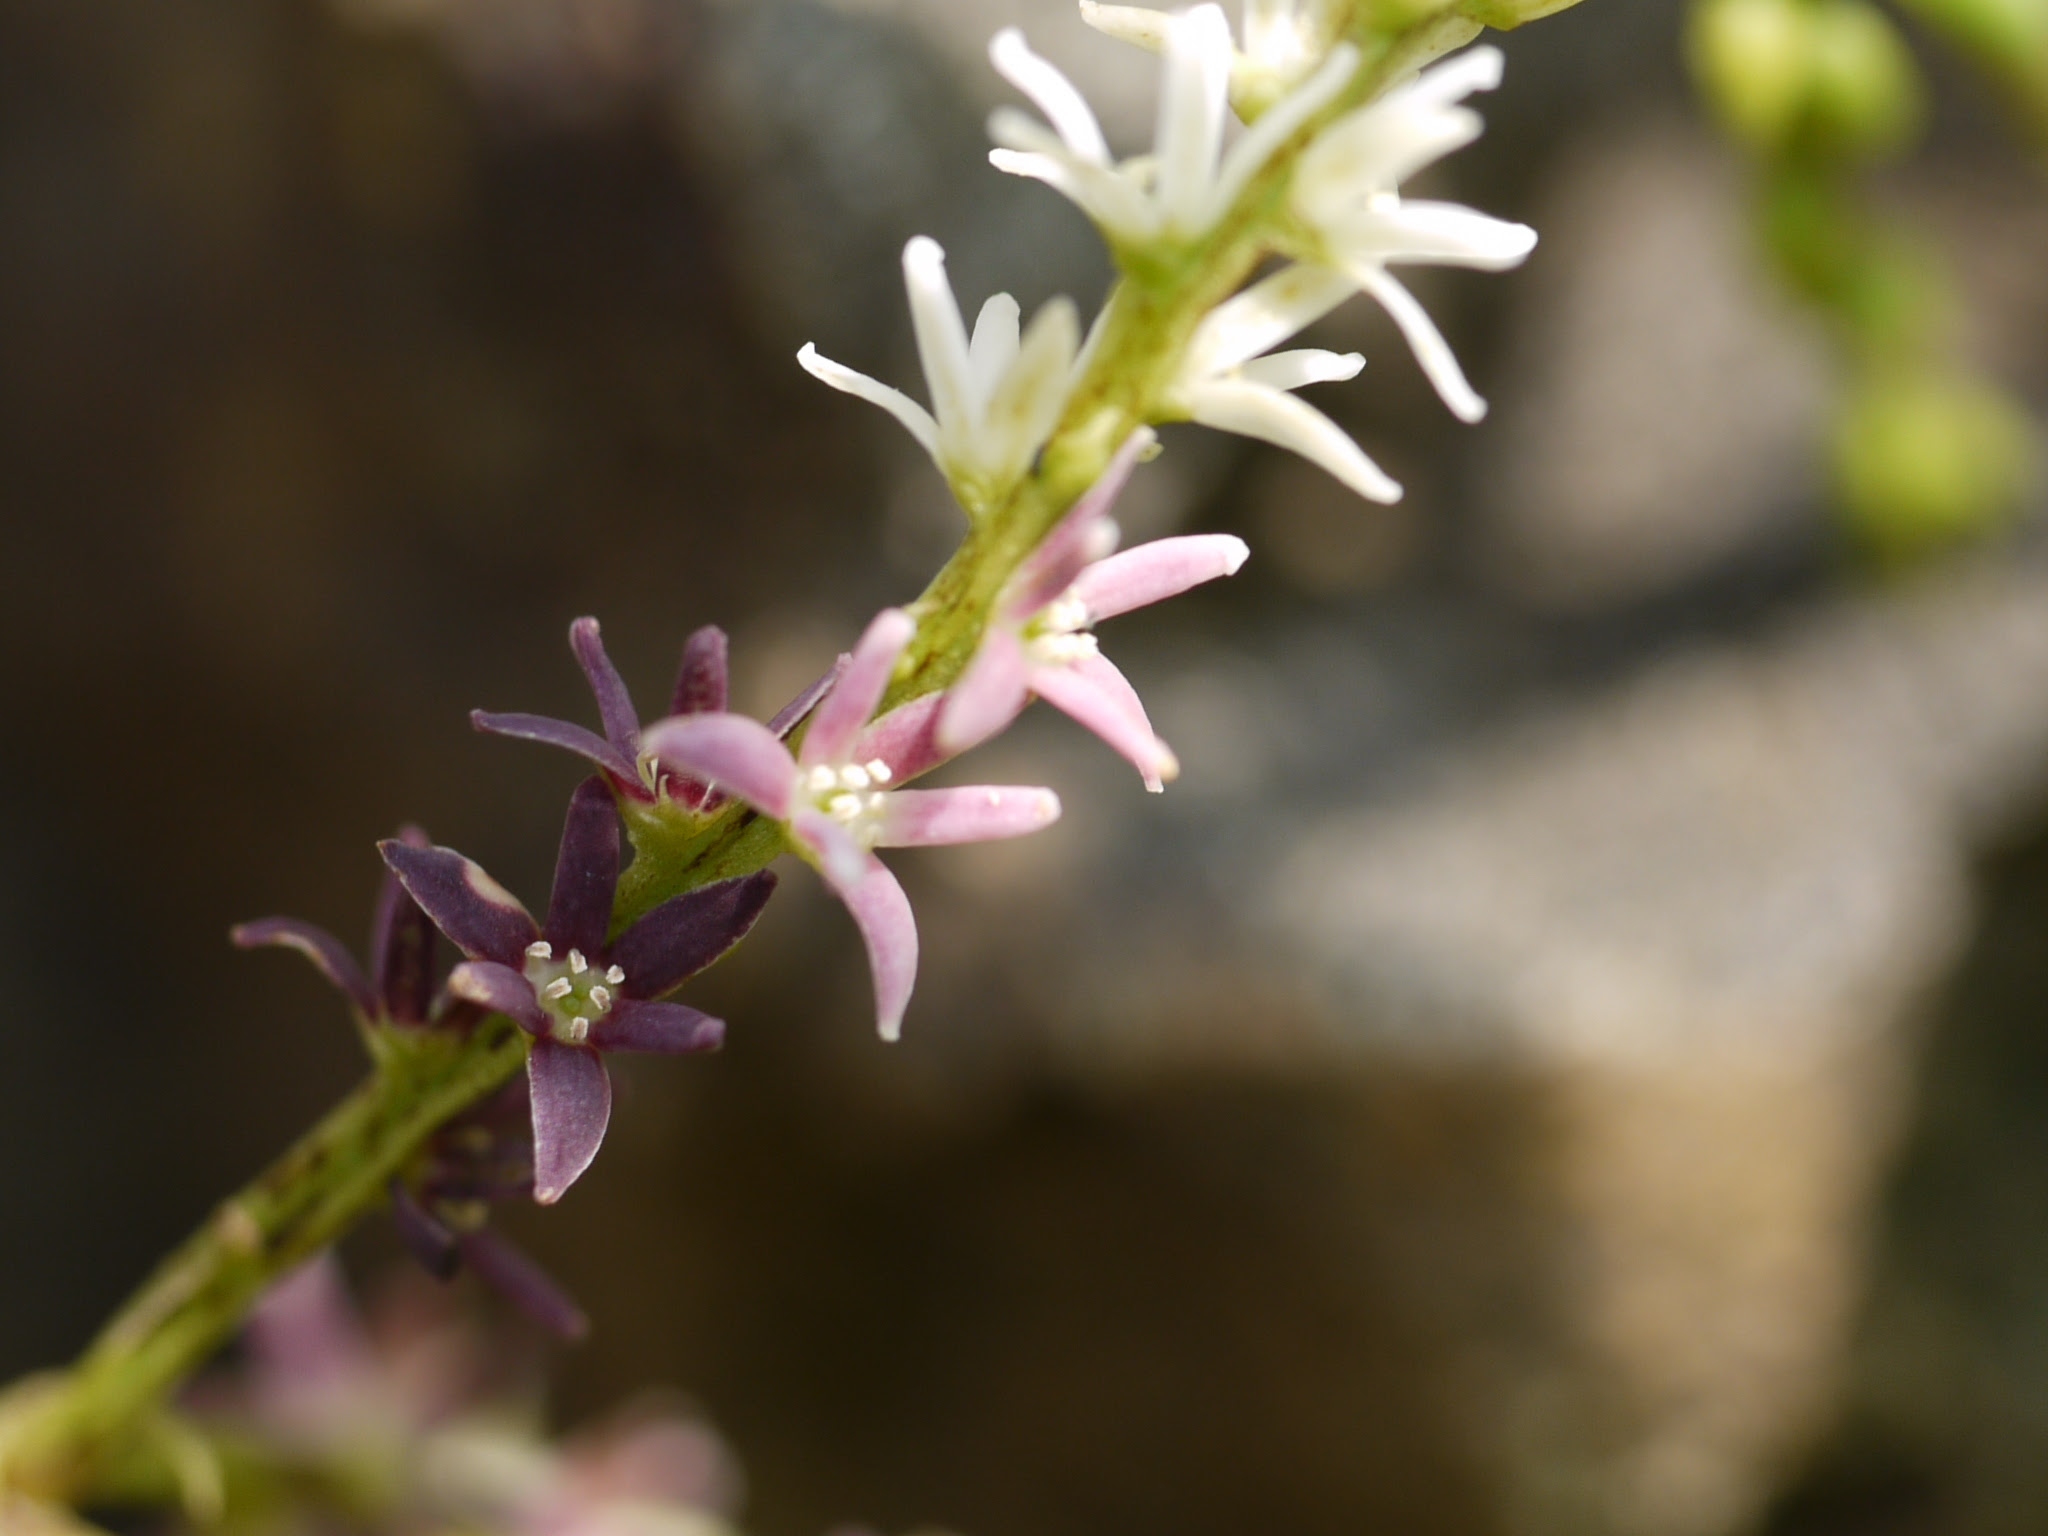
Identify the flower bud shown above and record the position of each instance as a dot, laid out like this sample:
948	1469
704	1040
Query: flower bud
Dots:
1926	460
1751	59
1864	95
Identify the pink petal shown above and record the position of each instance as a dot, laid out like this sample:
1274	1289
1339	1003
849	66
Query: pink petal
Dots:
614	704
1051	568
661	1029
1153	572
1093	692
738	754
839	857
979	813
847	707
906	738
500	989
572	1104
990	693
318	946
882	913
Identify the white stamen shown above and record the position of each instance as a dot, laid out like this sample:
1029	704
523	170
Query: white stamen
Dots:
577	964
556	990
615	976
879	771
844	807
540	949
600	998
822	778
853	776
578	1030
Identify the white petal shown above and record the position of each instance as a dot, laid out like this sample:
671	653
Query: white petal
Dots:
1255	410
1051	92
1111	200
915	418
1310	365
1263	316
1027	401
1371	151
941	335
1455	78
1193	99
1278	123
1129	24
1425	341
992	349
1444	233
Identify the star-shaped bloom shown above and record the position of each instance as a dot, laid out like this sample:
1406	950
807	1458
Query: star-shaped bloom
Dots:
996	396
564	984
1346	193
1229	380
1284	40
835	800
634	774
1040	635
479	1157
1180	189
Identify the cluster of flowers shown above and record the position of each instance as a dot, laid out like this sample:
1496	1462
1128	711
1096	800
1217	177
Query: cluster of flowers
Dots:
579	989
997	394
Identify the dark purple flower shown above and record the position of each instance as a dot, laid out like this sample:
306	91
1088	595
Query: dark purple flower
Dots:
636	776
564	984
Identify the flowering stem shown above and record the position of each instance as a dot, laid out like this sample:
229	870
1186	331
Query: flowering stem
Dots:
197	1298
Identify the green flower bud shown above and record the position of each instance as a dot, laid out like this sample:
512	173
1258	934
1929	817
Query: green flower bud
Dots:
1751	59
1863	91
1925	461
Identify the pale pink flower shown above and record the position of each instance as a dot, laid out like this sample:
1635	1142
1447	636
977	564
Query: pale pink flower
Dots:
1040	637
835	800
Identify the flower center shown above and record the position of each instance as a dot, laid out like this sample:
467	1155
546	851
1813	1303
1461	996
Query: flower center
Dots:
572	992
852	794
1061	634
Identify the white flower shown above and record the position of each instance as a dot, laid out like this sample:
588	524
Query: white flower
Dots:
1284	40
1229	380
1180	189
1346	194
995	397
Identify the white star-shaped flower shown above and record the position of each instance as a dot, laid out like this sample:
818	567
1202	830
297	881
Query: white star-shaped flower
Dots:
1284	41
1179	190
996	395
1346	195
1231	381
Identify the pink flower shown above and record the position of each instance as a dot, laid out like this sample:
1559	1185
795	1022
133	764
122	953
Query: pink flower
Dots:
1040	638
836	804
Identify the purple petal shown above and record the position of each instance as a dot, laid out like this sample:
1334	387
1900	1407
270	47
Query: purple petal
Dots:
1093	692
1154	572
701	682
687	932
979	813
515	1276
560	733
1062	554
614	704
737	754
502	990
402	946
586	871
882	913
481	918
838	855
662	1029
318	946
786	718
429	1242
906	738
990	693
847	707
572	1104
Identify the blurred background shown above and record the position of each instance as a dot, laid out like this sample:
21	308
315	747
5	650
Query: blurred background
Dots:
1567	1056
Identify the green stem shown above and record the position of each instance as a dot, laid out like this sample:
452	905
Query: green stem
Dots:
54	1446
